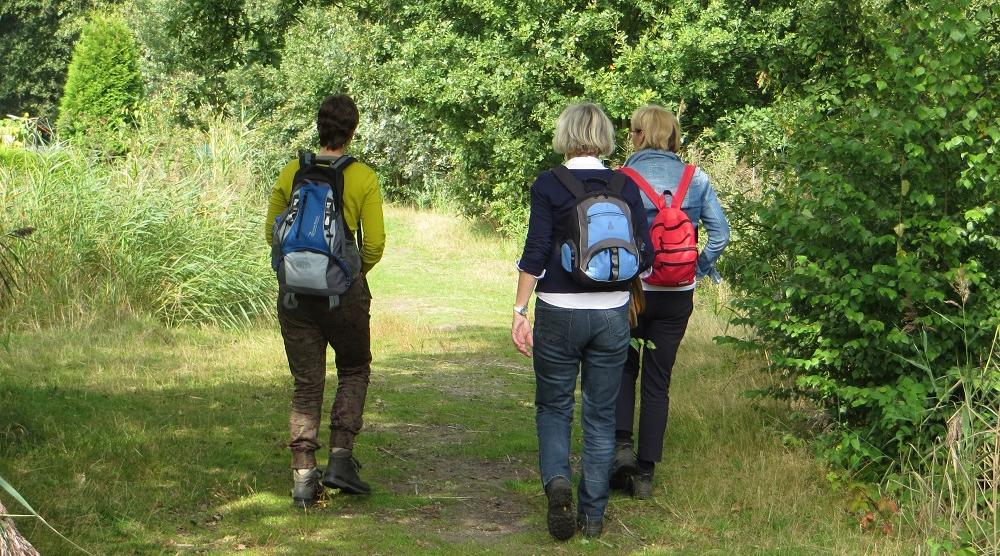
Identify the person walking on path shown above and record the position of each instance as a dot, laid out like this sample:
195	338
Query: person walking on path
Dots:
309	323
656	136
578	329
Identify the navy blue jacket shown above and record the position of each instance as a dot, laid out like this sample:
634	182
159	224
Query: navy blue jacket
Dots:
551	204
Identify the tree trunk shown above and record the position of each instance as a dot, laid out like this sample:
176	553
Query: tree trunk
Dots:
11	542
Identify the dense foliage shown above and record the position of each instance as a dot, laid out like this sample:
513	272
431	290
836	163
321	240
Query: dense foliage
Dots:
869	269
36	40
104	85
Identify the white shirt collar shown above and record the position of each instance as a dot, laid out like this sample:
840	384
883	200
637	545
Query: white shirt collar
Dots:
584	163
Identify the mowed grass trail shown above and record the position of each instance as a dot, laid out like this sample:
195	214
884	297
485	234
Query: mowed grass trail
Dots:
132	438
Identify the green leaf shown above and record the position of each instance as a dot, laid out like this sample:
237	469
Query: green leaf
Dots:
17	496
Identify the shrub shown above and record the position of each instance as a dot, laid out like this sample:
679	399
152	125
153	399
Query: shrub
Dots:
103	85
882	242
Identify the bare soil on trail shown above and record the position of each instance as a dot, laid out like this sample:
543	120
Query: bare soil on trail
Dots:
466	498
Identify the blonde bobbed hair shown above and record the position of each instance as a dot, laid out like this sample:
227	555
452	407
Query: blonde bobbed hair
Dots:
584	129
660	128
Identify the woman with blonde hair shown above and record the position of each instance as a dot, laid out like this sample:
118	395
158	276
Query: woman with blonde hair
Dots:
578	329
656	136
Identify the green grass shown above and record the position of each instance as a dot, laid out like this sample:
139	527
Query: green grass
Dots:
134	438
174	229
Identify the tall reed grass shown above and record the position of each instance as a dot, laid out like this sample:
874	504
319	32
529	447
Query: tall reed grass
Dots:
173	229
954	483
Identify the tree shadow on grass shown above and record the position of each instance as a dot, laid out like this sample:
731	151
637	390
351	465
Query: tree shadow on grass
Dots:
448	446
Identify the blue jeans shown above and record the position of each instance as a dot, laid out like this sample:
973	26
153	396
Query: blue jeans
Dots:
594	343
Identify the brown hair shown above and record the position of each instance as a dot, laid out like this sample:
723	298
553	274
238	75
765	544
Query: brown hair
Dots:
336	121
660	128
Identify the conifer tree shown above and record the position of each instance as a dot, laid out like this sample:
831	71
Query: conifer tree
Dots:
104	85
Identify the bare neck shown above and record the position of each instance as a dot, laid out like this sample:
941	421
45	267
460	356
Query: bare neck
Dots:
326	151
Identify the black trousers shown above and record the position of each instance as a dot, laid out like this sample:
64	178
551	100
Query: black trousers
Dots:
662	324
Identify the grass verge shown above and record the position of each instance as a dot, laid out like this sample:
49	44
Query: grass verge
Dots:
135	438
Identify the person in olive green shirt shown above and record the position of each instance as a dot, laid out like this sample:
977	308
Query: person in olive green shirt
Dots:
308	327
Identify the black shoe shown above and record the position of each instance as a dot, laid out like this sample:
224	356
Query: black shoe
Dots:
305	488
560	517
342	472
589	528
623	466
642	485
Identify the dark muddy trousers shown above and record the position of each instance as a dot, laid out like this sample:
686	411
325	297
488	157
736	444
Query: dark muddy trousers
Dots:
307	330
663	323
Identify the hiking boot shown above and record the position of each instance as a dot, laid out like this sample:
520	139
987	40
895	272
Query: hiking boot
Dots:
305	487
560	516
642	485
589	527
623	466
342	472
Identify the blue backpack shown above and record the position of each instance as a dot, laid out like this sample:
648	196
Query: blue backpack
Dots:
601	248
312	249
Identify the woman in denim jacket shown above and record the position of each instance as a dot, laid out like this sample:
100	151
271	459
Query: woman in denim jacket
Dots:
578	330
656	135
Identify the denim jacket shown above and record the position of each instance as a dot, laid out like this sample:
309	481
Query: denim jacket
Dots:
663	169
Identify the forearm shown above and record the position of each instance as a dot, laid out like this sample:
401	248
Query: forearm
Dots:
525	285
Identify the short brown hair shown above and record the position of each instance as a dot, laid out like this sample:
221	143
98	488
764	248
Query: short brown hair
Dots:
660	128
336	121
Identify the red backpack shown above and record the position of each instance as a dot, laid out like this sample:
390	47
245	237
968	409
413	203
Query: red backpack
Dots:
675	245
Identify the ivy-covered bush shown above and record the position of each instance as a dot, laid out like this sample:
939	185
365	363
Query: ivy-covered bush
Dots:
868	271
104	85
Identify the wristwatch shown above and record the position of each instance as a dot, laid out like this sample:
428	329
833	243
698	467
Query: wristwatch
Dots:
521	310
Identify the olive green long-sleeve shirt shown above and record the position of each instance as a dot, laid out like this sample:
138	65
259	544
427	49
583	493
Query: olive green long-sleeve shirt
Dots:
362	207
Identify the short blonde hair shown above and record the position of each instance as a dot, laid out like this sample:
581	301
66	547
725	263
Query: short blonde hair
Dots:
584	129
660	128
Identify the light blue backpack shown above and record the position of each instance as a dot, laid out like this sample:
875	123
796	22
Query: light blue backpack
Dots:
601	248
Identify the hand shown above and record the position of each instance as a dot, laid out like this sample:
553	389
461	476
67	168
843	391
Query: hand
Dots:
520	332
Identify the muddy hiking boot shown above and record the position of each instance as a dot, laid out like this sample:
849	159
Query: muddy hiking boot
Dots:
623	466
342	472
560	516
591	528
305	487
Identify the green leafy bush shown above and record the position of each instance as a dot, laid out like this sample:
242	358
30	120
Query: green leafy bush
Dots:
880	241
103	86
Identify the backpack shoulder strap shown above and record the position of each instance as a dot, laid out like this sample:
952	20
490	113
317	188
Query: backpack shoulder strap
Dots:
682	187
654	198
337	172
570	181
341	163
306	160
